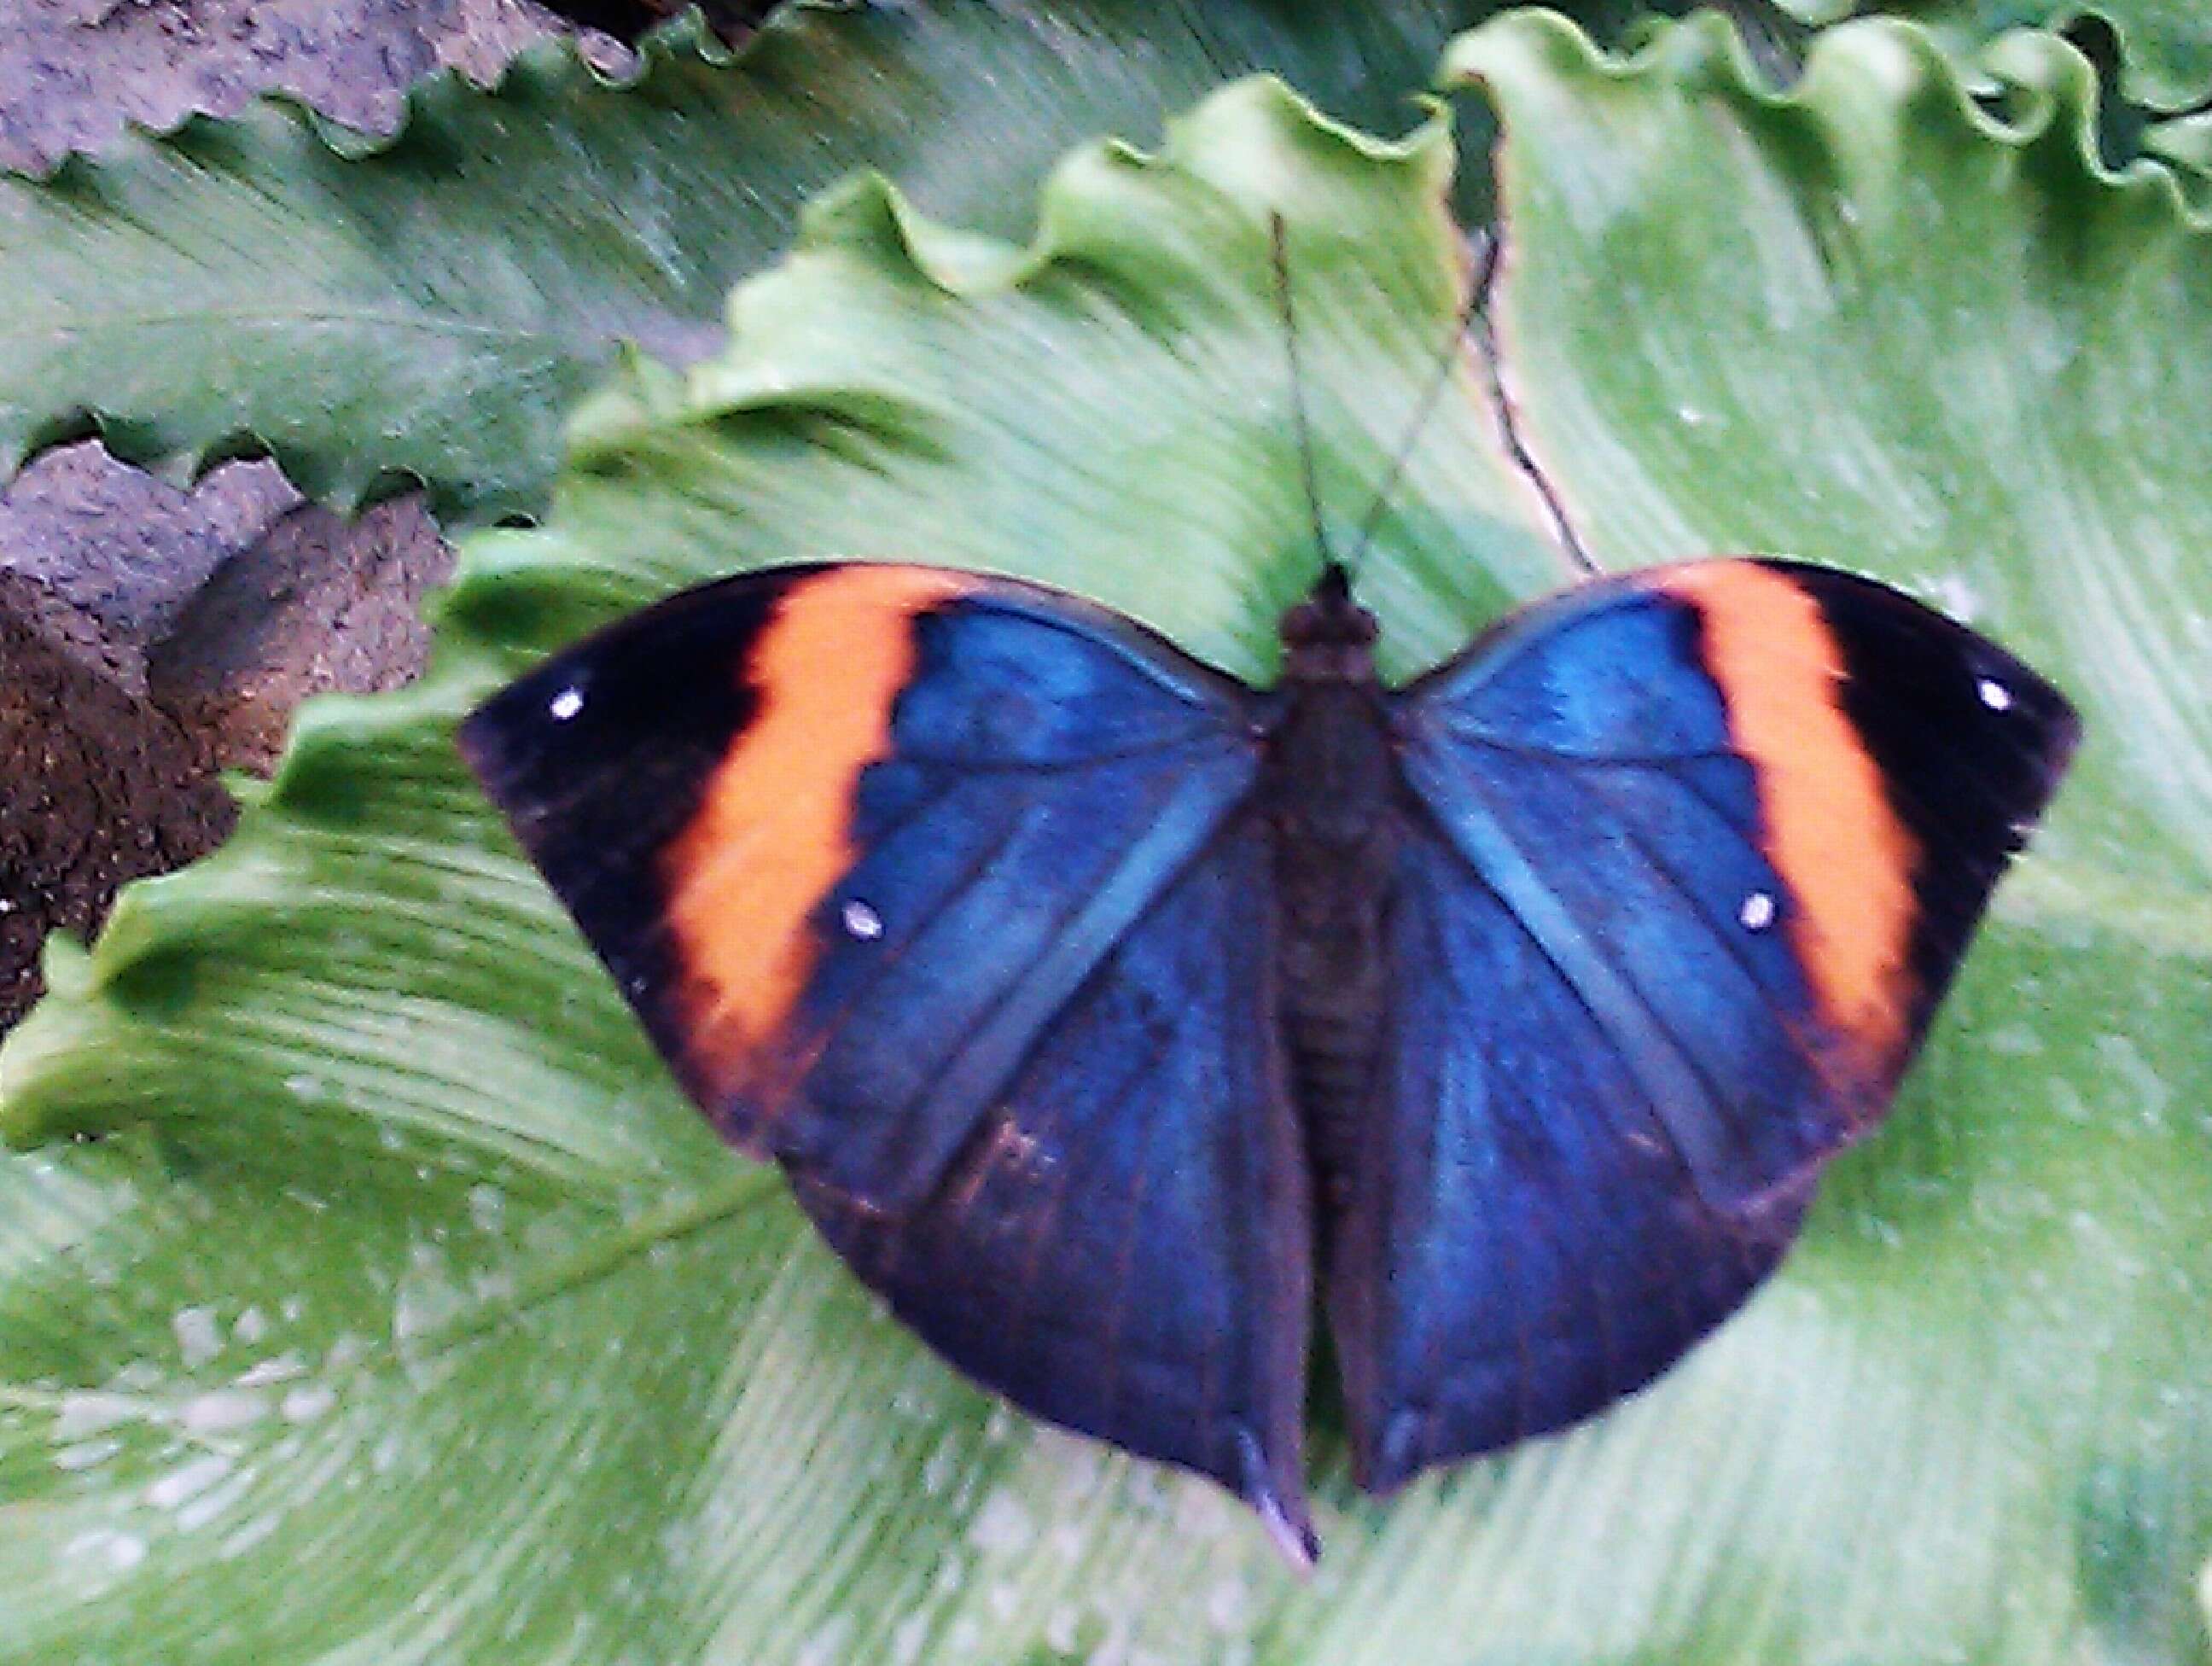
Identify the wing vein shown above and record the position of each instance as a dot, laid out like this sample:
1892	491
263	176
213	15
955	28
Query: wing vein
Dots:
1606	1031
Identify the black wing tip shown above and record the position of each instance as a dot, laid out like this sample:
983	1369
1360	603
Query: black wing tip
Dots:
2062	735
1863	613
484	738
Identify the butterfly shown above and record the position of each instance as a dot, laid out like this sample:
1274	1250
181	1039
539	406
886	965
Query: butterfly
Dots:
1111	1017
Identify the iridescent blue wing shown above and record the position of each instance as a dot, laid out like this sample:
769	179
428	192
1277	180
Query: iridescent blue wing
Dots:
1687	860
934	887
1122	1246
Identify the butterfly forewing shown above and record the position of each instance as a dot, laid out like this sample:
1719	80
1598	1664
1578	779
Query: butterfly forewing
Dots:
822	823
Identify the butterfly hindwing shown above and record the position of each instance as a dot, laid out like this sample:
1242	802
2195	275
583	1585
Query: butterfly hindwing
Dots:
1687	860
1122	1246
848	835
1524	1245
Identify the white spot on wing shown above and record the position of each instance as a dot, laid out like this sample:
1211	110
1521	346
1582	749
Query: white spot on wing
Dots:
1995	694
863	921
566	704
1757	912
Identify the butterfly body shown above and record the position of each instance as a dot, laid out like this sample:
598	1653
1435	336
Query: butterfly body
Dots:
1111	1015
1331	789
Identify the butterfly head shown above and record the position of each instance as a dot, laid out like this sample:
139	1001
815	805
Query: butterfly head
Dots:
1329	637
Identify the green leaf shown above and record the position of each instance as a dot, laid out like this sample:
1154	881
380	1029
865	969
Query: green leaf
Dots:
429	304
405	1314
2165	45
2186	141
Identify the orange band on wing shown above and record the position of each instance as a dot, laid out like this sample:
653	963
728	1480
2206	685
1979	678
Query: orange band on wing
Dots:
774	828
1830	830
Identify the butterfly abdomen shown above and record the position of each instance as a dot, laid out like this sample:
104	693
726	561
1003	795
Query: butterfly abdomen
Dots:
1331	797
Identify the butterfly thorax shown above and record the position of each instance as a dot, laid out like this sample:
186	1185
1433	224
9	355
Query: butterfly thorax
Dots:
1329	789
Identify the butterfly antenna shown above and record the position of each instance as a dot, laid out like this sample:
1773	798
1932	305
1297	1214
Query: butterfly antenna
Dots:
1278	246
1477	292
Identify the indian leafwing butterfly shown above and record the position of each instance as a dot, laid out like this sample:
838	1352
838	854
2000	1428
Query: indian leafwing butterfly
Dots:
1108	1013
